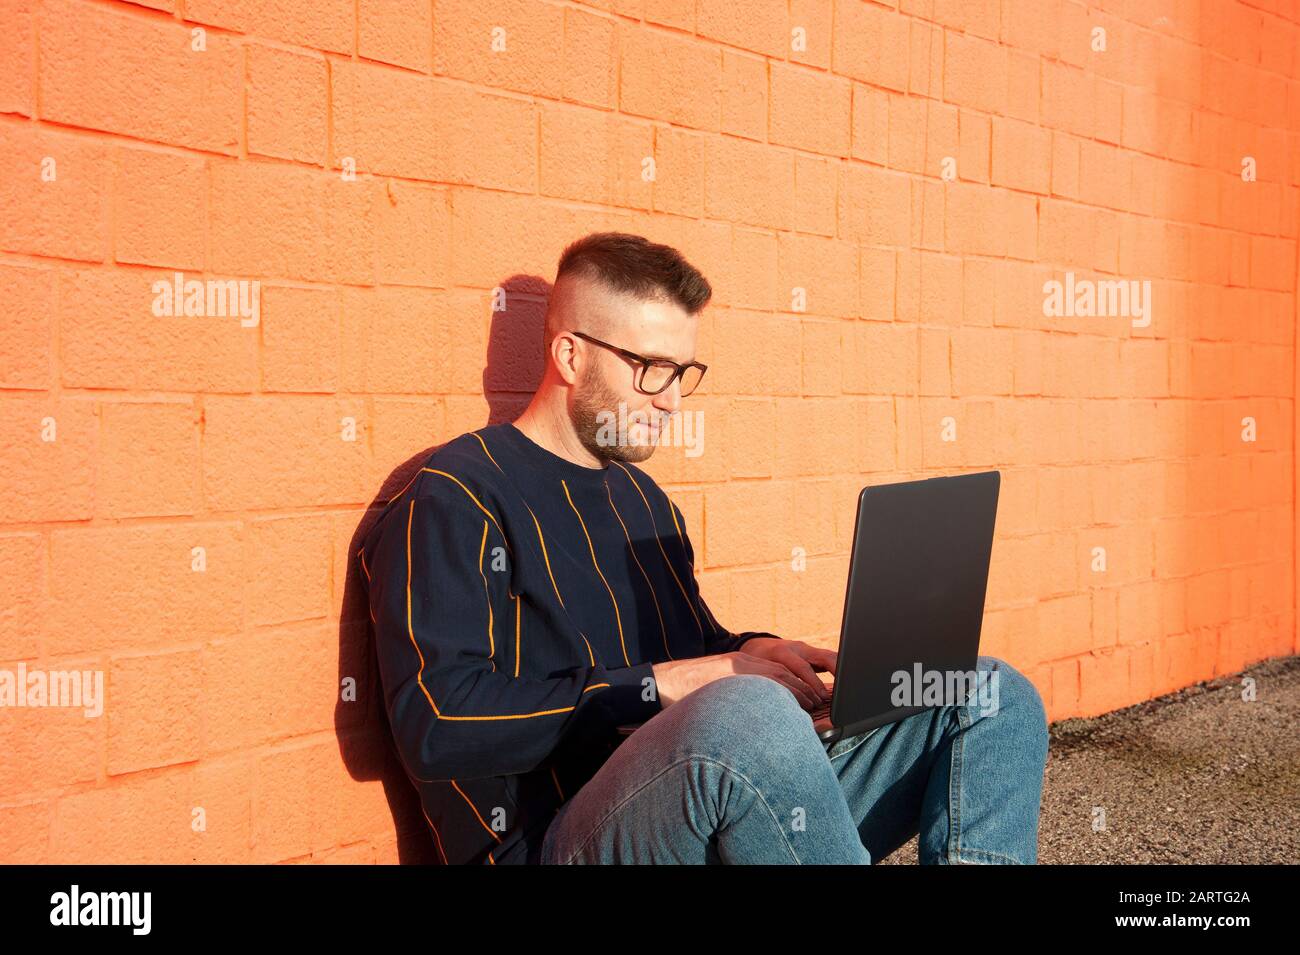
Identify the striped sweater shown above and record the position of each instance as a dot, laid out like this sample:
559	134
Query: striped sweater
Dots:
518	601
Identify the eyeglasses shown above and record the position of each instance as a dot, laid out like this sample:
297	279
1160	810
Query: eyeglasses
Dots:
656	374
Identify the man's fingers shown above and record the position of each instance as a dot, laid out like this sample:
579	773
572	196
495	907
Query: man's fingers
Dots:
808	697
796	686
801	668
823	660
819	659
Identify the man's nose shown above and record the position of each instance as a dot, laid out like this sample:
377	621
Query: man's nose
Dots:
670	399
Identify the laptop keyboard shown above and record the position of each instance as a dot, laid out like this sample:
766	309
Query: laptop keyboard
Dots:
824	709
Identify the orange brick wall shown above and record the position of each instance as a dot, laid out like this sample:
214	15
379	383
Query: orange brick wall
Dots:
775	167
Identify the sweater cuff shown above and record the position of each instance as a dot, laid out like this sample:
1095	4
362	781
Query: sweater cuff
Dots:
751	634
624	699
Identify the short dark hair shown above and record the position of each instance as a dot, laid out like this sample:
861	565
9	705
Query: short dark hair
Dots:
635	266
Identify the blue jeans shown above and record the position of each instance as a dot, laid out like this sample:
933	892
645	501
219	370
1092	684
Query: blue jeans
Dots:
734	773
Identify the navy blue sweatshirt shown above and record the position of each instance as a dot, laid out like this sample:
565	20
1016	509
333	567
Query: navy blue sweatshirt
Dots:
518	601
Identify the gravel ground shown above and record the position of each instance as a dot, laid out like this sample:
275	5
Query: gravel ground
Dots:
1198	776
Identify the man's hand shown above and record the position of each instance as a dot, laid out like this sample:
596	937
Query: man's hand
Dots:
791	663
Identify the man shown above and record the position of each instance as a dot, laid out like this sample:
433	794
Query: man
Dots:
532	590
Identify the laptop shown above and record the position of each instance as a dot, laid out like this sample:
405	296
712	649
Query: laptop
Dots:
914	602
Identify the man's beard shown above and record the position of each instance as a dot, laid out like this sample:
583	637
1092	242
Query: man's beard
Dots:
595	413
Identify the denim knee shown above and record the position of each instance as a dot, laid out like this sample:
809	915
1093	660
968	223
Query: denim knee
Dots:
738	705
1018	699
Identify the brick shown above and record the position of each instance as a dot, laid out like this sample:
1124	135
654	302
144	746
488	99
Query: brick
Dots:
21	593
761	27
826	269
413	235
243	679
878	270
283	452
1023	86
1104	682
50	747
744	95
907	128
110	337
967	212
400	424
27	301
974	134
151	818
871	45
870	124
17	52
158	439
159	207
1021	156
483	257
95	63
307	799
274	220
590	59
400	33
942	137
403	341
814	18
1103	175
810	110
301	335
982	362
935	362
153	719
467	40
1067	103
820	340
880	358
50	446
316	24
874	206
25	833
287	100
669	78
806	433
975	73
977	17
53	194
925	70
289	570
762	346
816	195
747	182
393	123
137	587
726	544
941	289
594	157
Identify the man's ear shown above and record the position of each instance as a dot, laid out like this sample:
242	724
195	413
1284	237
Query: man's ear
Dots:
565	357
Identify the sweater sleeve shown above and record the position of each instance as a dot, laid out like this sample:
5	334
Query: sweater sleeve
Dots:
717	639
442	604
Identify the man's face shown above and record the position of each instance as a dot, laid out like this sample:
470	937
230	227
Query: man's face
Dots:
606	395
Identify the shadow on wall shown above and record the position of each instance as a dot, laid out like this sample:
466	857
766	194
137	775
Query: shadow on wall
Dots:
511	373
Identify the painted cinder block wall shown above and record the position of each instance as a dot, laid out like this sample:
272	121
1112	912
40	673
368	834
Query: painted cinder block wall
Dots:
775	166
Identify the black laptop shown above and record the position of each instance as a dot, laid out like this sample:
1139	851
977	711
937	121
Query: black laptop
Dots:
914	603
915	596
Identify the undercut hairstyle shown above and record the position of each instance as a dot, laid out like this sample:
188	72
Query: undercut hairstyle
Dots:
634	266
